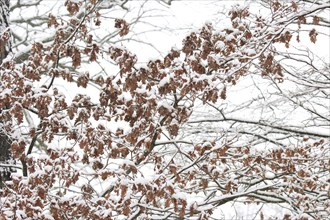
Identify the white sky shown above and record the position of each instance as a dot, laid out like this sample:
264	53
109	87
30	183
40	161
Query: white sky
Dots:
179	19
184	16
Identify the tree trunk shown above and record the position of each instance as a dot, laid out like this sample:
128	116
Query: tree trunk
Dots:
5	142
4	28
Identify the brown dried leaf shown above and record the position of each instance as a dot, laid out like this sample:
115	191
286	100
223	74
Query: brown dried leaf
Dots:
123	26
76	58
294	6
316	20
312	35
223	93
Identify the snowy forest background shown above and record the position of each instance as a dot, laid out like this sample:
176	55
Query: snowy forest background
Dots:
164	109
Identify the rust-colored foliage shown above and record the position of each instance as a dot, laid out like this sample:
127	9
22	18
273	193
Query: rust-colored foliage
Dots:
134	149
123	27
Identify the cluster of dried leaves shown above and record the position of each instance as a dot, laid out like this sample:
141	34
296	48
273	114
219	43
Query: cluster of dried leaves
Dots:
99	171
